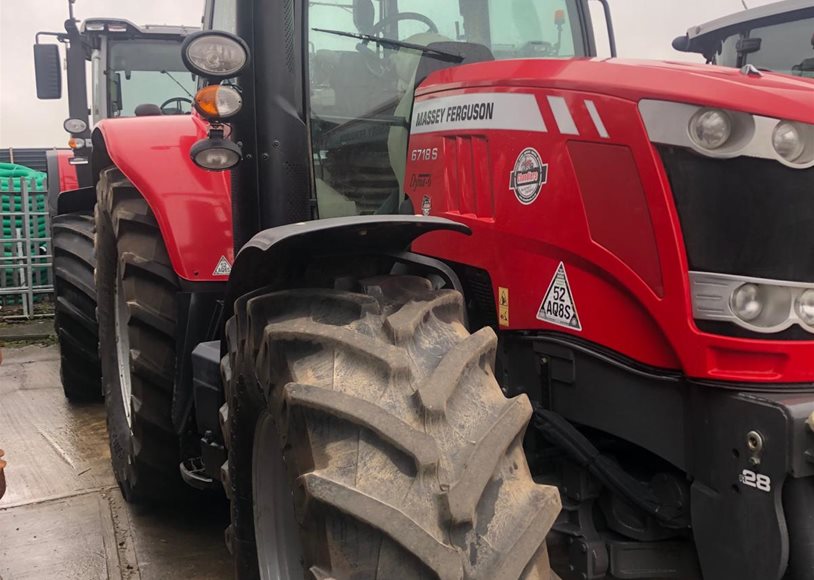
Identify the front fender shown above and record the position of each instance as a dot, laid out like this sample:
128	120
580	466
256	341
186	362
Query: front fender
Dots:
273	257
192	206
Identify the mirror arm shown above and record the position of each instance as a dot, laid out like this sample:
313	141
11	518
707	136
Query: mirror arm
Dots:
609	23
60	36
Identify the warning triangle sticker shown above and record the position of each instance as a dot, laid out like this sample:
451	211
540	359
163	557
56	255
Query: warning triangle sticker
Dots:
224	268
558	306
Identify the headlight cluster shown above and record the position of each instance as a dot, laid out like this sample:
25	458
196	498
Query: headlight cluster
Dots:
759	305
215	56
726	134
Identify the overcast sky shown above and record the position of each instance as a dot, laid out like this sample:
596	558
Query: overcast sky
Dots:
644	29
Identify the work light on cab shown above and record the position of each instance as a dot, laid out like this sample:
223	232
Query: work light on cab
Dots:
75	126
218	102
215	54
215	153
711	129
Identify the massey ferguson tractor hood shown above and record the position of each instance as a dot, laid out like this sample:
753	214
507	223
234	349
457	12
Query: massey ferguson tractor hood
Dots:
685	184
768	94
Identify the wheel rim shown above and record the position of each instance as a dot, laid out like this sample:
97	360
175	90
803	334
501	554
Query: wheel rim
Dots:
122	315
279	552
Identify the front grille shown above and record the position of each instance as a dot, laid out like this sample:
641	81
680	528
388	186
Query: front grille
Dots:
744	216
747	217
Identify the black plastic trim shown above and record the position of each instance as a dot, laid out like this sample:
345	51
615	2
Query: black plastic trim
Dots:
74	200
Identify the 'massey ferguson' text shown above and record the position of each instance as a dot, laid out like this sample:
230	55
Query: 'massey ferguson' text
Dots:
456	114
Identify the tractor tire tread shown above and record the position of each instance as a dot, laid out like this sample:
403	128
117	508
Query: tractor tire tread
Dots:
126	224
419	492
75	306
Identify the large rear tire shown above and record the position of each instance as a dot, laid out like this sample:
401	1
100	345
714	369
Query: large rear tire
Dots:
368	438
75	306
137	290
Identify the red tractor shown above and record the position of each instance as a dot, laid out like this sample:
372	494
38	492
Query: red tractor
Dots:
511	230
135	71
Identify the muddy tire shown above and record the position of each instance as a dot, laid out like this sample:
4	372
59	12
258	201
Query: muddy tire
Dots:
137	290
75	306
402	458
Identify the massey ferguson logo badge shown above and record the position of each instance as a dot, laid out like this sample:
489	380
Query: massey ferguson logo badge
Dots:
529	176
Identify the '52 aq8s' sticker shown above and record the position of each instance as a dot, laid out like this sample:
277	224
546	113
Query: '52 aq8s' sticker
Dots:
558	306
529	176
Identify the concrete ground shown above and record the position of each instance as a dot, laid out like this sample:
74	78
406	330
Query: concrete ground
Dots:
63	516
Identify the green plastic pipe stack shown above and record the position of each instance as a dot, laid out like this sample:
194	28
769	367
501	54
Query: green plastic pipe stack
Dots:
11	180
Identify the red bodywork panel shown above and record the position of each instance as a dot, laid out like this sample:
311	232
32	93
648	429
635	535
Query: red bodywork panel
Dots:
192	206
605	210
67	172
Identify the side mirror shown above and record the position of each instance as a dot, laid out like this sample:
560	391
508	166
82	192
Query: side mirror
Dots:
682	43
48	71
749	45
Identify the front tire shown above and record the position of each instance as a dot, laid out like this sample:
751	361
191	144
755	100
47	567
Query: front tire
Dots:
137	290
381	417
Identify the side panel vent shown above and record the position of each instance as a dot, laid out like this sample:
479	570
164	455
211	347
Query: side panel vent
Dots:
468	176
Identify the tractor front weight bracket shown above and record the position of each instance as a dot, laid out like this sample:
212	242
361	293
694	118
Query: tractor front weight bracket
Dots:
748	449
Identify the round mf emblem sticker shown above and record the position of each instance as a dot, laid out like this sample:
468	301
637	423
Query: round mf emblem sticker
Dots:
529	176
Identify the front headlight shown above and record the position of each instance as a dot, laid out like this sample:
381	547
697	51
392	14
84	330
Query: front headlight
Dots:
789	140
762	305
711	129
747	302
805	307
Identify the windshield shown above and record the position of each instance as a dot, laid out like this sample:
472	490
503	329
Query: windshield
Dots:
361	92
784	47
144	72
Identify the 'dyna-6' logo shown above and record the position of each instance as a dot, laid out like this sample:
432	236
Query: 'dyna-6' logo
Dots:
529	176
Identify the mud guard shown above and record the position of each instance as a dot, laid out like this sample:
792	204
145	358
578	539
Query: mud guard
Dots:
72	201
276	257
192	206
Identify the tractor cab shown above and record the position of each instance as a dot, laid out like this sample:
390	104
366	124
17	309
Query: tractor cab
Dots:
778	37
135	70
